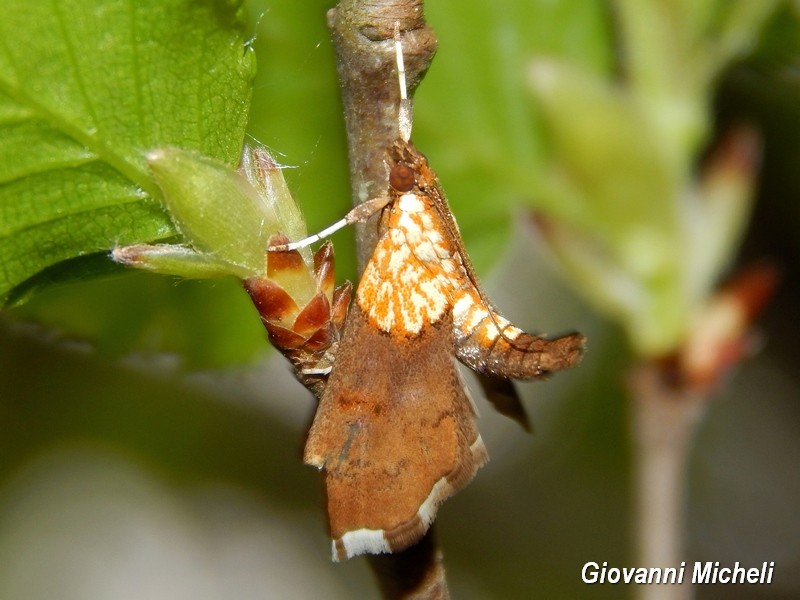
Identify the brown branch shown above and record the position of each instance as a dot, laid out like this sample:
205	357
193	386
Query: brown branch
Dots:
670	397
664	419
363	34
416	573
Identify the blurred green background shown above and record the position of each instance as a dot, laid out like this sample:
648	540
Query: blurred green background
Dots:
150	441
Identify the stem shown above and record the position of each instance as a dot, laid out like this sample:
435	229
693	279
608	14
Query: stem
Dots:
416	573
670	397
363	34
664	421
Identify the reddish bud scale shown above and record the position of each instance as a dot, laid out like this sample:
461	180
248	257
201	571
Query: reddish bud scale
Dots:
307	335
723	332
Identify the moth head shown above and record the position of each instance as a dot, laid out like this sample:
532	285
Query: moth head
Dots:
402	178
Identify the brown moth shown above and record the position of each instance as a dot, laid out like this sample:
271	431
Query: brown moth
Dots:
395	431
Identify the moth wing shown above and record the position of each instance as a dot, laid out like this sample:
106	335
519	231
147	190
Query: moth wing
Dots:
395	433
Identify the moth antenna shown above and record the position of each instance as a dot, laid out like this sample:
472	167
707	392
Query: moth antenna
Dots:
307	241
359	214
404	115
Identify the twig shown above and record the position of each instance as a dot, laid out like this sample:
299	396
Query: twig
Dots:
363	34
664	422
416	573
670	398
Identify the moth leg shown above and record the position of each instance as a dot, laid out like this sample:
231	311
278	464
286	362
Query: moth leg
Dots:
502	394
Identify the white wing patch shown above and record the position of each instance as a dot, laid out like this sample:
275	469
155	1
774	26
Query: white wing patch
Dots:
409	280
362	541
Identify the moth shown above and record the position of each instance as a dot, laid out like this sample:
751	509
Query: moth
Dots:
395	431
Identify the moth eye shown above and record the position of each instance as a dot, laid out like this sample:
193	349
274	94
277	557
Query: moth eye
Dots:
402	178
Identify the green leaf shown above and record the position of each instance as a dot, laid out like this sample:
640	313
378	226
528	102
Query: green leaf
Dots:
472	111
609	151
87	88
640	229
